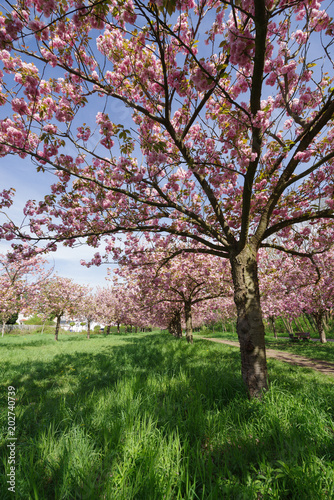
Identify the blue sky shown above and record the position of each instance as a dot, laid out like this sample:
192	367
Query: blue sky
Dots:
29	184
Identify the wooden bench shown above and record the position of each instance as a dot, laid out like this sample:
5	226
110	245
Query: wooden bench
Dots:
303	335
299	336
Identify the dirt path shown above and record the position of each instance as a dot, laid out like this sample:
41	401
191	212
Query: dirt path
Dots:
288	357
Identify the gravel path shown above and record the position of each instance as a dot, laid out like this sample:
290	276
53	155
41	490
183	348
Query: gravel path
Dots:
294	359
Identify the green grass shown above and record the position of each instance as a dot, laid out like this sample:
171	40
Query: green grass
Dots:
148	416
309	349
217	334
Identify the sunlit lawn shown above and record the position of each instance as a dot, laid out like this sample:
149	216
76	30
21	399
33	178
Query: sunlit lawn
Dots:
147	416
309	349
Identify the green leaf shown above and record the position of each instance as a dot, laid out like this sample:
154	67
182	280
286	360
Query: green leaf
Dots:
170	6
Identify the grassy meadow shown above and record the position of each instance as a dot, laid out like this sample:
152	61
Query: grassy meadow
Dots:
146	416
309	349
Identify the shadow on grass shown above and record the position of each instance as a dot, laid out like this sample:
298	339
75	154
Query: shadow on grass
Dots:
141	356
312	350
193	392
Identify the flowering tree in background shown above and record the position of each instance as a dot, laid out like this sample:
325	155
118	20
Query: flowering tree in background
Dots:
184	280
19	283
10	301
221	311
272	290
231	109
174	321
87	310
316	280
59	297
170	316
115	305
293	286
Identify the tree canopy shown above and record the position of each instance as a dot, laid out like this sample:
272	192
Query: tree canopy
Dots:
206	120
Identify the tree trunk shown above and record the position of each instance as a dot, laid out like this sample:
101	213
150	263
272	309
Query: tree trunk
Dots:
320	326
88	328
57	327
299	324
3	328
118	330
170	327
189	322
273	325
287	325
108	329
250	327
306	324
178	324
174	326
326	319
311	321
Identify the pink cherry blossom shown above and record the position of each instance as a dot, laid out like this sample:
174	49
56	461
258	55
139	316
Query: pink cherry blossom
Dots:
213	125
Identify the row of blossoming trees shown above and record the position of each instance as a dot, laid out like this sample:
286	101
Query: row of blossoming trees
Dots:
210	120
151	288
173	290
28	286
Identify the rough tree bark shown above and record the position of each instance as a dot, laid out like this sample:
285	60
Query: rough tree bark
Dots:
320	326
170	328
178	324
175	327
189	322
57	327
273	325
250	327
88	328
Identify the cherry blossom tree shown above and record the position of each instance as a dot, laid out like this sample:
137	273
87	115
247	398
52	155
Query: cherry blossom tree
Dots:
144	305
293	286
273	292
116	305
19	283
87	310
59	297
185	280
232	135
174	323
318	295
9	302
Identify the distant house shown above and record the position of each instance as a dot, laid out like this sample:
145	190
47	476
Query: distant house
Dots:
77	327
64	323
22	318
